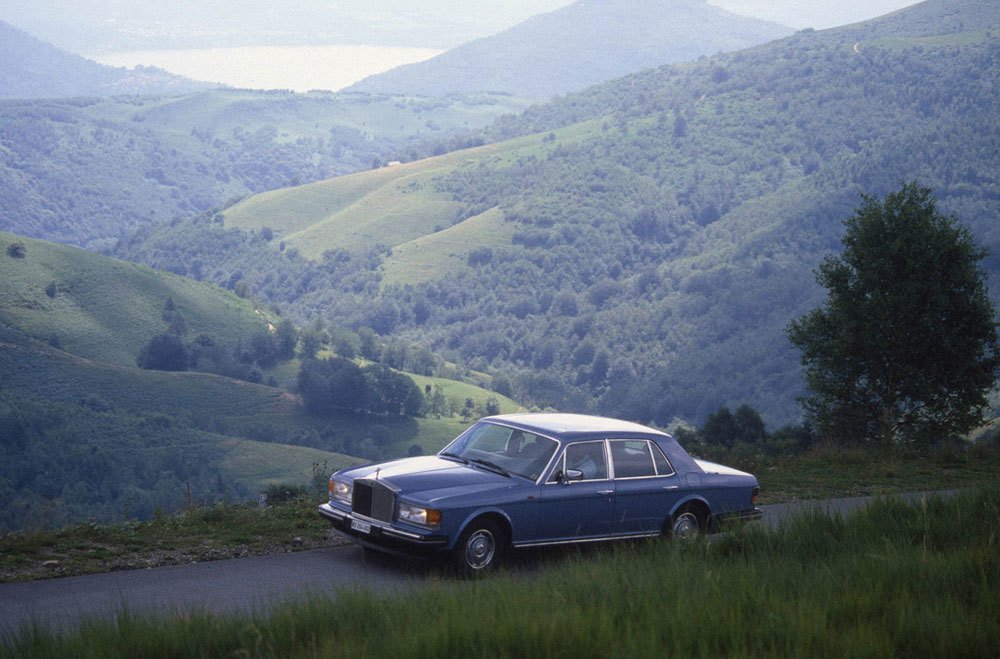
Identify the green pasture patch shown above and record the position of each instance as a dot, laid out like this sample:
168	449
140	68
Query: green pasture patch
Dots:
432	256
461	390
256	465
105	309
388	205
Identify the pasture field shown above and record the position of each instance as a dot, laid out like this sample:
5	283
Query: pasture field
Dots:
397	206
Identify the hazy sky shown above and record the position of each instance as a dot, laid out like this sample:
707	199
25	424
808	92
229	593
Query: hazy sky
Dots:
95	25
812	13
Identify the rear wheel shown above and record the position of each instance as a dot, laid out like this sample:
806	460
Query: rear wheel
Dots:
480	548
687	524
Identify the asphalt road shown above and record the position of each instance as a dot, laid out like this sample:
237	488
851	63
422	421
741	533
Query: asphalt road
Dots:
246	584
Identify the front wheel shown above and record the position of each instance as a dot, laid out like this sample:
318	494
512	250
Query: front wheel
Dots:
480	548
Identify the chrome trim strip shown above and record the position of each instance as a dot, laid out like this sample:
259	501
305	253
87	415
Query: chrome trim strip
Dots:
326	510
386	527
606	538
655	446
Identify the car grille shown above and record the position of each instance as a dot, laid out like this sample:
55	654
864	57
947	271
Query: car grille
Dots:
372	499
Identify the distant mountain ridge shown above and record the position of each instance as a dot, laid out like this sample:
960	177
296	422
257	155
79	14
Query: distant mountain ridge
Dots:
31	68
588	42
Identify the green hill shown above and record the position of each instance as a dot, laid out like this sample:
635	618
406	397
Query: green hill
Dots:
107	310
87	440
659	231
577	46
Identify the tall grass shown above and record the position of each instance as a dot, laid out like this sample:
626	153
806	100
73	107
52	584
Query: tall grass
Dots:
894	579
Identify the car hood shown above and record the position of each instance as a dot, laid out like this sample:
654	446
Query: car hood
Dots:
430	478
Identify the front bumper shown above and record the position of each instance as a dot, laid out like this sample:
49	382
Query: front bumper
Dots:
380	535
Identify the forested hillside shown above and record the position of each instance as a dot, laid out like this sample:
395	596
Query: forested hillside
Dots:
663	227
577	46
30	68
88	171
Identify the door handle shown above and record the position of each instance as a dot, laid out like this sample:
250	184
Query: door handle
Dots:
671	487
605	491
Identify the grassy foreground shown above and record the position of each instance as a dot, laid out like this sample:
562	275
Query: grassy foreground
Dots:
893	579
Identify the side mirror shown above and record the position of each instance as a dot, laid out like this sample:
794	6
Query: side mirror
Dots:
569	475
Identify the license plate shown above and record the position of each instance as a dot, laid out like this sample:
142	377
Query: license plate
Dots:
358	525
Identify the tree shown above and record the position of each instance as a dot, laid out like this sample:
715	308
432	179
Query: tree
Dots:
906	346
750	428
287	336
164	352
15	250
720	428
331	385
389	393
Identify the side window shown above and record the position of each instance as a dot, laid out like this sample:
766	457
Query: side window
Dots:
588	457
632	459
663	466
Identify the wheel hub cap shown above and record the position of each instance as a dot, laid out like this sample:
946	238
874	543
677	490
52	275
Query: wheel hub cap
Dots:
479	550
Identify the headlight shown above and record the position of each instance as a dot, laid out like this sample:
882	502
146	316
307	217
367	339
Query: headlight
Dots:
417	515
340	490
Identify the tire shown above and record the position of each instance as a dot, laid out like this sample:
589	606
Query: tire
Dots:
480	548
686	525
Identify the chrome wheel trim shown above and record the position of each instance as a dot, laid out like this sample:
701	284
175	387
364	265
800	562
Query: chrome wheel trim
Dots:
480	549
686	526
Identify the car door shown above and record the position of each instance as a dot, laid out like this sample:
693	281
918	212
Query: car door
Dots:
646	486
582	507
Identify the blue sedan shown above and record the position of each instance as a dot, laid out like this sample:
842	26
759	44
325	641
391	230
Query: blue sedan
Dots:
531	480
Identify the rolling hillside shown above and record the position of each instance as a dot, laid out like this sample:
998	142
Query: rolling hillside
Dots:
571	48
663	228
106	310
31	68
390	206
89	172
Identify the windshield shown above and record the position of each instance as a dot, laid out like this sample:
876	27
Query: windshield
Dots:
514	451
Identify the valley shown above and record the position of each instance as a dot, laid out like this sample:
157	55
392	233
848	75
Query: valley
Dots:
636	246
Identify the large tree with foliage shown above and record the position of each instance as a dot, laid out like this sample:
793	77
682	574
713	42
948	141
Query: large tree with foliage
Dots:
905	347
164	352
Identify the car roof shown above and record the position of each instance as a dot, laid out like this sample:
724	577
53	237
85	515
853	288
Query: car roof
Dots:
573	426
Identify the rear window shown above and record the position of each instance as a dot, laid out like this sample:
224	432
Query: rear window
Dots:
632	459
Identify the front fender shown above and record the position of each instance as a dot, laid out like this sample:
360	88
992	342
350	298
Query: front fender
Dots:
476	514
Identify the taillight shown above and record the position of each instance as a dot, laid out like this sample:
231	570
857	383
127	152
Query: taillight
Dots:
753	497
